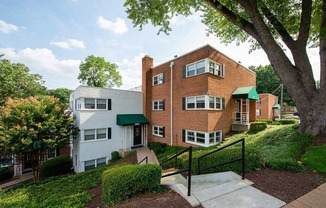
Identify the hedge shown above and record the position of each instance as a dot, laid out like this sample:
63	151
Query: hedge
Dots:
59	165
125	180
257	127
115	156
286	121
6	173
157	147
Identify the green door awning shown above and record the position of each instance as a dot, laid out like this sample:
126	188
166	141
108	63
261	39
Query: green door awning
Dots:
276	106
246	93
131	119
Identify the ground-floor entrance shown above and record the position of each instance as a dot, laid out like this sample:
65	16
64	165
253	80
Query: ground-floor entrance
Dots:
137	135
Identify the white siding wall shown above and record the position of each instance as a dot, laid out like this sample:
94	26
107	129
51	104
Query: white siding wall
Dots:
123	102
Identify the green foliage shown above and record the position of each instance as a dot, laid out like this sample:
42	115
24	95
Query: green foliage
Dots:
269	122
286	121
115	156
96	72
62	93
59	191
315	158
125	180
17	82
157	147
59	165
268	81
33	126
6	173
276	147
257	127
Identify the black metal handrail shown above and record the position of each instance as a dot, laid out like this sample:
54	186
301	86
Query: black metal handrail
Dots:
145	158
181	171
242	158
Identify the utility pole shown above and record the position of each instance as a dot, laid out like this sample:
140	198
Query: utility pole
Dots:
281	110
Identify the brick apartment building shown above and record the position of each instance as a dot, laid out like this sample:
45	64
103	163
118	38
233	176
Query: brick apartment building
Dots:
267	107
211	94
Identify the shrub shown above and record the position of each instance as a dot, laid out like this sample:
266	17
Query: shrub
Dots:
287	121
269	122
257	127
115	156
6	173
59	165
157	147
125	180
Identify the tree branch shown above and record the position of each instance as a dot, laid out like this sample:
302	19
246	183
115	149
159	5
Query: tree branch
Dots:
278	26
233	18
322	48
306	8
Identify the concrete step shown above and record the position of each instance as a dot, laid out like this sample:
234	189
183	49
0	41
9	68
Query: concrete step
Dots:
244	198
174	179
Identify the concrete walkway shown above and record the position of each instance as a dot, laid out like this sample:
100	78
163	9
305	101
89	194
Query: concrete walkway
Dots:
24	177
146	152
314	199
225	190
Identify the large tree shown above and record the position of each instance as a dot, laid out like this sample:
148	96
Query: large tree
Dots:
17	82
267	24
32	126
268	82
62	93
96	72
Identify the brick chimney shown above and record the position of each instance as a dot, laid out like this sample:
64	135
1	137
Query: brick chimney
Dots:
147	64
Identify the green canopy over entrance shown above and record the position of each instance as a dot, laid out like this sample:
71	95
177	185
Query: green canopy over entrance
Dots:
246	93
131	119
276	106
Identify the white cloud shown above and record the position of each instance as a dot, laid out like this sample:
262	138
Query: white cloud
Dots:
130	70
56	73
7	27
69	44
117	27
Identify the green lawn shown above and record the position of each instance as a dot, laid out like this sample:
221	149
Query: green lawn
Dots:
315	158
277	147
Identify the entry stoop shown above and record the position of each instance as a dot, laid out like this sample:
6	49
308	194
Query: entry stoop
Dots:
225	189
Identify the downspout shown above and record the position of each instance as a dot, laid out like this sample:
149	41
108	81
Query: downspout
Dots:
171	114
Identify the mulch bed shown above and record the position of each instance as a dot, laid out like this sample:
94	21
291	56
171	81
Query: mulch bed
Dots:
285	185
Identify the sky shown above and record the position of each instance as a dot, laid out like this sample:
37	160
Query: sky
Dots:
52	38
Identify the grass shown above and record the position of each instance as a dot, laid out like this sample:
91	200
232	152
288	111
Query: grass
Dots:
277	147
315	158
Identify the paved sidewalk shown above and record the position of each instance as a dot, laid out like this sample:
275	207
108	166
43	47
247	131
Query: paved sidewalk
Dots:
146	152
24	177
314	199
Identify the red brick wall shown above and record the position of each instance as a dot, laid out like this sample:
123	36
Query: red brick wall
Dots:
266	106
204	84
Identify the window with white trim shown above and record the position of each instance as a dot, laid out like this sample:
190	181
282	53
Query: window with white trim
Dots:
158	105
205	66
158	79
259	101
52	154
204	102
204	139
95	134
90	164
158	131
78	103
93	103
258	112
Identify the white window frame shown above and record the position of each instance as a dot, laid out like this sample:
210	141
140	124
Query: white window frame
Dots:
96	163
159	129
258	112
217	69
82	104
95	134
51	152
259	101
217	137
160	79
217	100
159	105
78	103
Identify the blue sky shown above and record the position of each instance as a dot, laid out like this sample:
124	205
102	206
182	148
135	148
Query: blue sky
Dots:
53	37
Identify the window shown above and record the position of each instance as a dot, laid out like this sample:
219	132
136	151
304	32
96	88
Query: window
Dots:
78	103
158	79
204	102
259	101
94	134
100	161
101	104
52	154
158	105
203	138
89	103
204	66
158	131
258	112
90	164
